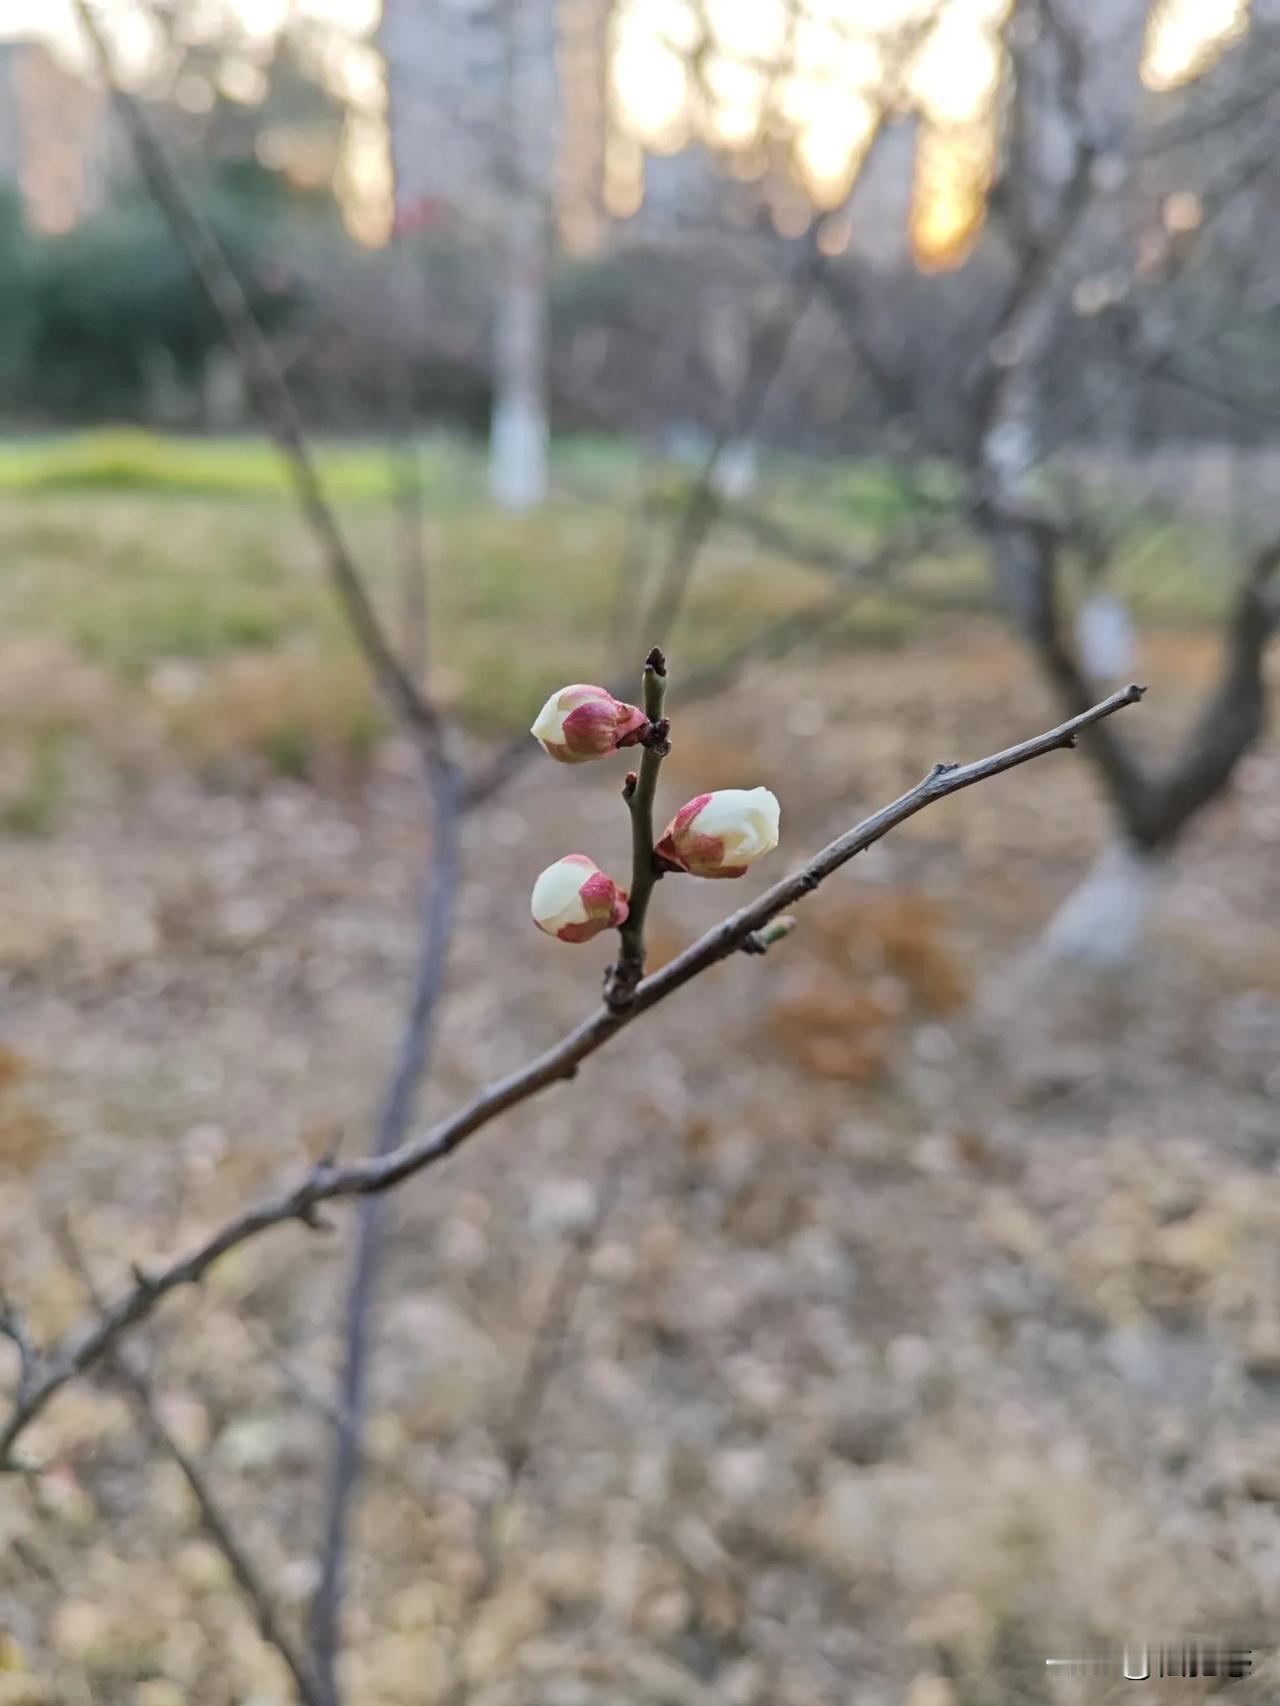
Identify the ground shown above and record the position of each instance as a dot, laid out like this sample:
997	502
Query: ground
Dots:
931	1308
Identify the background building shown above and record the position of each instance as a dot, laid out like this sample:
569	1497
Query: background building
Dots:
55	137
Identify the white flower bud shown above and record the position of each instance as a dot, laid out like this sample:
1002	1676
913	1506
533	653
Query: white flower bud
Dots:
575	901
722	834
583	722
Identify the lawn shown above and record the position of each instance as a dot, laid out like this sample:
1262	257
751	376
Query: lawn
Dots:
181	572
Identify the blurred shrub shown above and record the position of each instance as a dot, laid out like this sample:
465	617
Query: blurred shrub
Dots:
100	319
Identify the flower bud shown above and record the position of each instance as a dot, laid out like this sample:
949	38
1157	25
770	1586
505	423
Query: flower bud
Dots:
583	722
721	834
575	901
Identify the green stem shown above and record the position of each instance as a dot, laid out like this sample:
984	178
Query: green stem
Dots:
626	974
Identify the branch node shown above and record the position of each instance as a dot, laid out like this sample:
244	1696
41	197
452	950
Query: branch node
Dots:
653	737
629	785
620	982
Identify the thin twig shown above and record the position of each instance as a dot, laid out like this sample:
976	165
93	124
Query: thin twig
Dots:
639	792
437	920
275	401
328	1182
14	1328
769	358
217	1523
415	712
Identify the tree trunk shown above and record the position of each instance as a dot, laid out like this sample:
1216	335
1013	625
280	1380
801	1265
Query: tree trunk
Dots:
518	432
518	436
1101	924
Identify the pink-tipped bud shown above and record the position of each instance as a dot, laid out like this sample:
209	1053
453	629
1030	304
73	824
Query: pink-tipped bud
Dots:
575	901
722	834
583	722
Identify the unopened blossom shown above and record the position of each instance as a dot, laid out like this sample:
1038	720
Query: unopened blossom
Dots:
721	834
582	722
575	900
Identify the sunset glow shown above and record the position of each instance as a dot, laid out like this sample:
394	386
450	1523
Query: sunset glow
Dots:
818	77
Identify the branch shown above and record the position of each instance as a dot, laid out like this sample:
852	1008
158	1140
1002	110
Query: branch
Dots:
328	1182
413	709
639	791
440	888
216	1521
14	1328
1233	714
1025	546
276	405
773	640
768	360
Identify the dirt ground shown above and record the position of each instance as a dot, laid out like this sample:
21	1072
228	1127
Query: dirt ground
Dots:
929	1318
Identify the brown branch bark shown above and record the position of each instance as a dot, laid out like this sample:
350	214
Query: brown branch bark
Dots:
329	1182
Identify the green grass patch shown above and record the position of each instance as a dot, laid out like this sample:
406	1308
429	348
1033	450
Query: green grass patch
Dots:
124	461
141	551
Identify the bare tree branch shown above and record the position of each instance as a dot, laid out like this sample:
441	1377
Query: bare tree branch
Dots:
275	401
417	714
217	1523
770	350
329	1182
14	1328
440	887
1233	714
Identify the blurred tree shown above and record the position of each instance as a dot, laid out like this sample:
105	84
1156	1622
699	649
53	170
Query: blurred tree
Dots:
17	304
229	95
110	309
1100	297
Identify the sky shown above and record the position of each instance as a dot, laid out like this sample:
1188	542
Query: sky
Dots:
827	95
